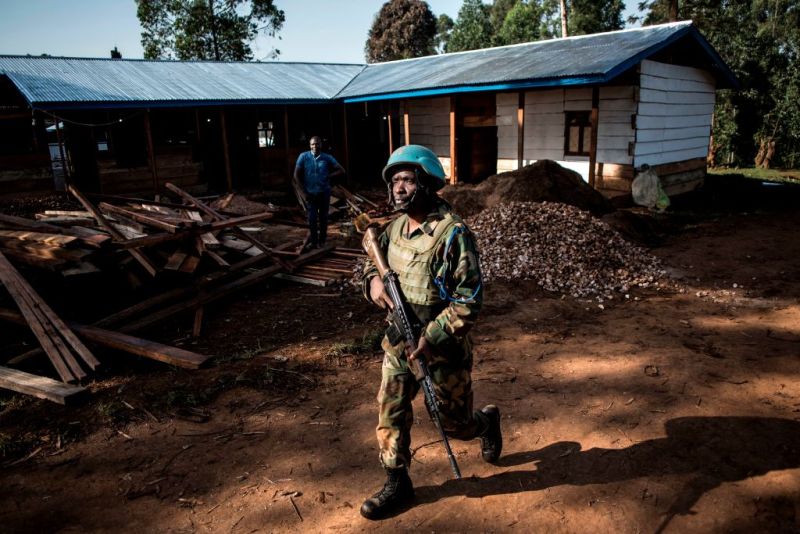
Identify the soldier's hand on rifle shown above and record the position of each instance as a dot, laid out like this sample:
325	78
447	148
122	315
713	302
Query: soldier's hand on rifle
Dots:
423	348
377	292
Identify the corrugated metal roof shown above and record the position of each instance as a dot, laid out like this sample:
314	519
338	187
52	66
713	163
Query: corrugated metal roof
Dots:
590	59
587	59
49	80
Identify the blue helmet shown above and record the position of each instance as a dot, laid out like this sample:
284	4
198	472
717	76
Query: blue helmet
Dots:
419	157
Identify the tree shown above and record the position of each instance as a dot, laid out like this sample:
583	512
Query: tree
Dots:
444	26
206	29
760	41
594	16
402	29
498	12
522	24
472	29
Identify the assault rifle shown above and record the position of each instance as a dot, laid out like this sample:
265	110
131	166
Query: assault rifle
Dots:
407	323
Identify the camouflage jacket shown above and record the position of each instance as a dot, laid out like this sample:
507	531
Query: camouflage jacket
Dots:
447	321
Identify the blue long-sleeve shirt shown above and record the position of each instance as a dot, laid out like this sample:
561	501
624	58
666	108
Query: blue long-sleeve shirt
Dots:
316	171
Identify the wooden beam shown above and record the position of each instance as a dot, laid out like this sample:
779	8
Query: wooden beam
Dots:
289	162
38	386
219	292
391	134
346	143
594	118
406	128
453	144
520	128
218	217
101	220
151	153
122	342
226	150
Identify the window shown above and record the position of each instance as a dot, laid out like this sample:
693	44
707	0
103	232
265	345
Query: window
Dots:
578	133
266	134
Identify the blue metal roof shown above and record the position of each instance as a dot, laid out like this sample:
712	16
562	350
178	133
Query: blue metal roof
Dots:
51	82
69	82
582	60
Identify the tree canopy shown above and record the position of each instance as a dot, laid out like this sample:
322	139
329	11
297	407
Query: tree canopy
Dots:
402	29
472	29
594	16
206	29
760	41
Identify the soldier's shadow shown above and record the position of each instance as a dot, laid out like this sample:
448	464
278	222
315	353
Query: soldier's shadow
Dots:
712	450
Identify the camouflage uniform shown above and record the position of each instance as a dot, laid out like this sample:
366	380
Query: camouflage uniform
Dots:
417	258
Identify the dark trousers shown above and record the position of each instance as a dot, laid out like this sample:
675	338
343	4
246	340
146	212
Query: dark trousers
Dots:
318	204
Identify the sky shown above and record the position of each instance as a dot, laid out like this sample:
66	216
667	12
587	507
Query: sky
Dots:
315	30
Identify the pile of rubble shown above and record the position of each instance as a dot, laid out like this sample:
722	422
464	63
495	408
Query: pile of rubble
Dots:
562	248
185	255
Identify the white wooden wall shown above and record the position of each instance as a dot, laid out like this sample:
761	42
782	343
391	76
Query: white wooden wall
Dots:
544	126
673	120
429	124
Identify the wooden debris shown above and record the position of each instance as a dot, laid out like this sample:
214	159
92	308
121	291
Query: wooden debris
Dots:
56	338
38	386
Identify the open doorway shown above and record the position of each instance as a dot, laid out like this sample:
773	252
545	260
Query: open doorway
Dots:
477	137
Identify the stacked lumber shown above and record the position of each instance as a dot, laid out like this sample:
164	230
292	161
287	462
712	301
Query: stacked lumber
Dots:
207	253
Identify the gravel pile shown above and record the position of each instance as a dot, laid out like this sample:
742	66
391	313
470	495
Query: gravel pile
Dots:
562	248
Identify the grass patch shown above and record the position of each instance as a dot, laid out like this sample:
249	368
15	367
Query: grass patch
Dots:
791	176
369	343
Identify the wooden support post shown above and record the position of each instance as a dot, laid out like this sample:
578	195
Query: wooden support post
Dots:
151	154
346	143
391	135
593	146
406	130
520	129
289	162
453	144
226	150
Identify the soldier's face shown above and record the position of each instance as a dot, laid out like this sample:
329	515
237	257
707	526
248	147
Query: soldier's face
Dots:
404	185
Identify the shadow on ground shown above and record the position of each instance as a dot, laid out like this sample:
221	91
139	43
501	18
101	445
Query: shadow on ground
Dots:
712	450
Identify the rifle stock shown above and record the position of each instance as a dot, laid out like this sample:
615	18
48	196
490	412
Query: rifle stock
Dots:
406	321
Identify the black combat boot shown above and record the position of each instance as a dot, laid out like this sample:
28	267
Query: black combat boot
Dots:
397	491
492	438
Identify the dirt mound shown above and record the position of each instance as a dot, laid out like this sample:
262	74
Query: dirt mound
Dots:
543	181
561	248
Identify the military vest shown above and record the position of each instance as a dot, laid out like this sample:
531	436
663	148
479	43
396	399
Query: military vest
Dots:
415	260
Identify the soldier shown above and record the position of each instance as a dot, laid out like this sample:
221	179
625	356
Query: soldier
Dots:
436	260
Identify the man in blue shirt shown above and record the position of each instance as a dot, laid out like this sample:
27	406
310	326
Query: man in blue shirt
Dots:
313	172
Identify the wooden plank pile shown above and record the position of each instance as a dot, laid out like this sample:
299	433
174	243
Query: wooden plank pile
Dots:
210	251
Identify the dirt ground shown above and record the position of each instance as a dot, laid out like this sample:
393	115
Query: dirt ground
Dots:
670	411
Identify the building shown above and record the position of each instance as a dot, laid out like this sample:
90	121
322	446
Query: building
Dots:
602	104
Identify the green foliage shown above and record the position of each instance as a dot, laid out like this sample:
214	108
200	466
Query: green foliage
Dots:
594	16
522	24
760	41
206	29
444	25
402	29
472	29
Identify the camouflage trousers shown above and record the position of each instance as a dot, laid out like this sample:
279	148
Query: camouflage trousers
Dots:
450	371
